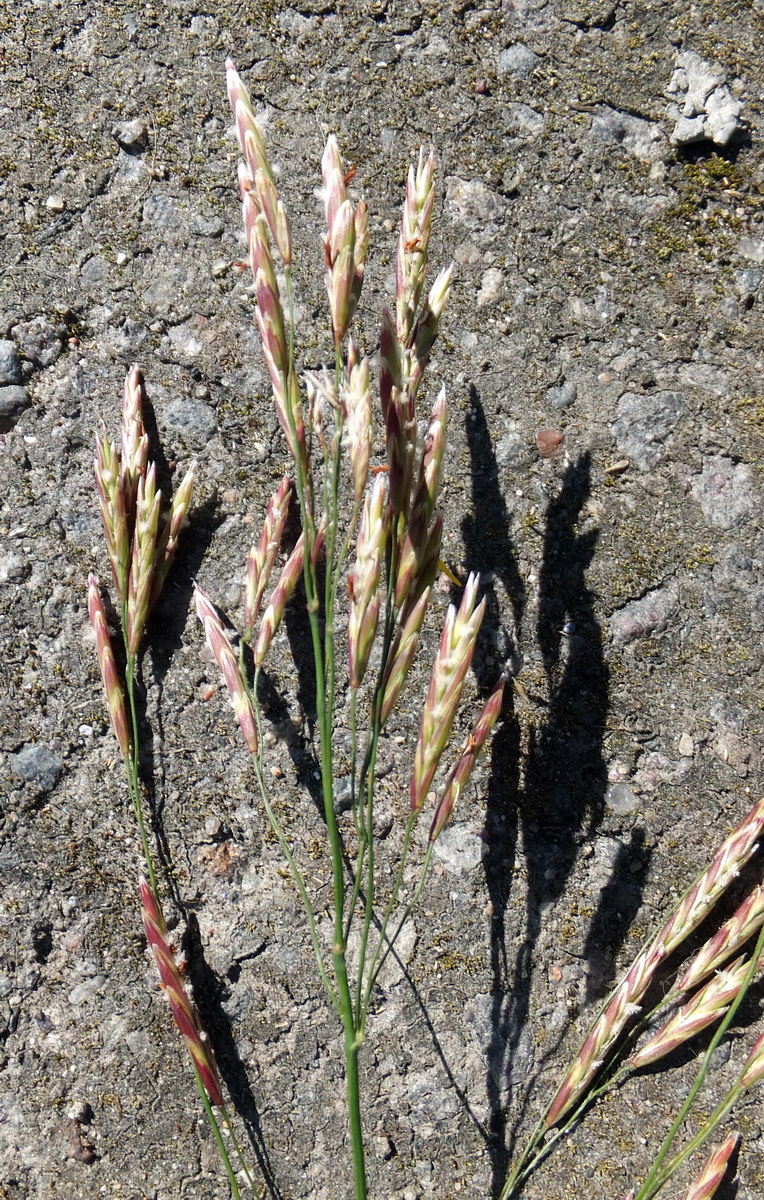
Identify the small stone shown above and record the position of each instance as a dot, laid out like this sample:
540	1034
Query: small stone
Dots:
121	258
517	60
687	130
39	342
656	769
512	449
642	139
86	990
563	396
549	442
194	419
686	745
10	364
725	492
490	287
343	795
621	799
207	226
13	568
13	401
472	202
727	713
752	248
650	614
37	765
132	136
733	751
55	204
645	422
524	120
704	106
459	848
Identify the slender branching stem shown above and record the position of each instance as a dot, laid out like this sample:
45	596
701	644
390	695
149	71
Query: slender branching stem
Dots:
133	763
658	1174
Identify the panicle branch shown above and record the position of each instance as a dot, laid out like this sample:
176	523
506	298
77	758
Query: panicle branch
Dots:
624	1002
708	1006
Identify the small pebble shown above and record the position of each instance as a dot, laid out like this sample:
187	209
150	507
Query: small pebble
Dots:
132	136
13	401
645	616
549	442
55	204
621	799
490	287
518	60
10	364
686	746
564	395
37	765
726	492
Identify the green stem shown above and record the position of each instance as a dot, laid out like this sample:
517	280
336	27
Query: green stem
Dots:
352	1047
324	660
217	1134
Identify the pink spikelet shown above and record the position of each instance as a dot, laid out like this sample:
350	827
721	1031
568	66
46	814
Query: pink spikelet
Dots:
363	583
705	1185
262	557
754	1064
115	696
345	244
454	656
167	541
402	654
705	1008
459	777
274	611
183	1011
144	557
114	514
228	662
744	922
260	175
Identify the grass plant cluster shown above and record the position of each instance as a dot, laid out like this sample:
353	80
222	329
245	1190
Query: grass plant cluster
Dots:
366	559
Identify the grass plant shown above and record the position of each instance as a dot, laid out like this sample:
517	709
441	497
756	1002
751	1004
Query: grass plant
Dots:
366	559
